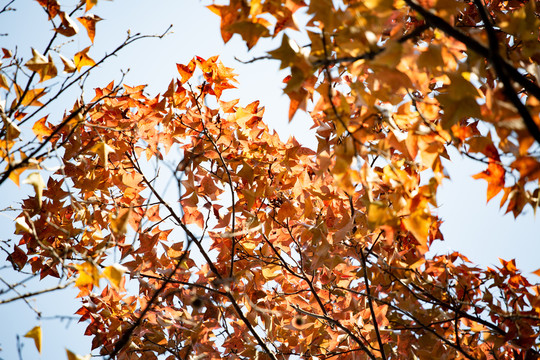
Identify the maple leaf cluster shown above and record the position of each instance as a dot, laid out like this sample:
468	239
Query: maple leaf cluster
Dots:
263	248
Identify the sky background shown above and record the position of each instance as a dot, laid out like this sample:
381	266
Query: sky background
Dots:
480	232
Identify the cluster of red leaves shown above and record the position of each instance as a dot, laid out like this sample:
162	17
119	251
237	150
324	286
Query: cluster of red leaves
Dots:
292	252
301	253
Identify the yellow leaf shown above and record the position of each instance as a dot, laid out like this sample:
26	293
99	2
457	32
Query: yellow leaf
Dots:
418	223
44	66
119	222
88	274
269	272
82	59
380	214
4	82
102	150
35	334
72	356
21	226
380	5
37	182
69	66
114	274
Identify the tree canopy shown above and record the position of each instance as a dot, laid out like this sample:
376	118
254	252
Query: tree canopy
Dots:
216	239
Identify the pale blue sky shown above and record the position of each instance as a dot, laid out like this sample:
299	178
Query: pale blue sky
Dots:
480	232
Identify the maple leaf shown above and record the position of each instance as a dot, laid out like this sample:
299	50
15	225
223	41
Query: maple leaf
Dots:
68	27
41	129
186	71
90	4
4	83
250	32
114	274
89	22
52	7
72	356
88	275
495	177
103	150
69	65
37	182
82	59
35	334
30	97
44	66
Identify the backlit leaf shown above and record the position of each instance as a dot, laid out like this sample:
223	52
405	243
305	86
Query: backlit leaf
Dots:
35	334
82	59
114	274
37	182
44	66
88	274
89	22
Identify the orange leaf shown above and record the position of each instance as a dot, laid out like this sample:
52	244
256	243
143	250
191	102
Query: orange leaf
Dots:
82	59
90	4
494	175
186	71
41	129
89	22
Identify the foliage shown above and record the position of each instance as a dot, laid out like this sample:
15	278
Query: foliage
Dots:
270	249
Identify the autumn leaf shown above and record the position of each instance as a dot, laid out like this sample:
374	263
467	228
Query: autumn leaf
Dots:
494	175
88	275
37	182
261	232
90	4
4	83
18	257
21	226
44	66
114	274
119	222
419	223
52	7
13	131
69	65
186	71
380	214
15	175
82	59
103	150
41	129
250	32
35	334
30	97
89	22
6	53
72	356
68	27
